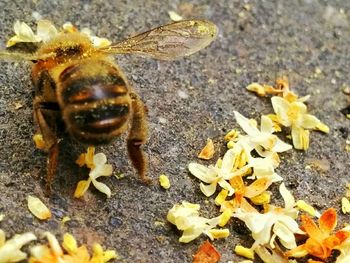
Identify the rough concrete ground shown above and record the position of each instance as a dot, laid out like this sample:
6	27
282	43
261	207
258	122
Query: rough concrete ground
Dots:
189	100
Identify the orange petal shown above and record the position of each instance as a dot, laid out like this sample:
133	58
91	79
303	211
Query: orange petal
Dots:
237	183
208	151
342	235
257	187
328	220
311	228
317	249
331	242
206	254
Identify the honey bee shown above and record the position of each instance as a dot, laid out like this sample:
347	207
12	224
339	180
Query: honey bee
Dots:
81	84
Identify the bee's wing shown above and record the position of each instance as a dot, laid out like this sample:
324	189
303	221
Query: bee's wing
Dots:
23	56
168	42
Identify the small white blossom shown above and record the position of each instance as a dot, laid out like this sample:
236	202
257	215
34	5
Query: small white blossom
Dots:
98	168
186	218
279	221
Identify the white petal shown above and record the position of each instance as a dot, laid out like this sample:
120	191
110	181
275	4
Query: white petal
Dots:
226	185
308	121
102	188
246	125
285	235
201	172
288	198
266	125
24	32
99	159
281	146
208	189
281	106
228	161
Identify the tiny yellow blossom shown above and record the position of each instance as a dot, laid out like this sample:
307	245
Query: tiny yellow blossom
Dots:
174	16
164	181
244	252
69	243
38	208
263	198
231	135
230	144
225	217
65	219
218	233
257	88
221	197
39	141
345	205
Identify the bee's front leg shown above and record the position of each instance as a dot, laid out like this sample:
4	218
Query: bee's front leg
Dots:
44	116
137	137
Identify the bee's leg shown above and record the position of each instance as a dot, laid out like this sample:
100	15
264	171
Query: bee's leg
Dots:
46	125
137	137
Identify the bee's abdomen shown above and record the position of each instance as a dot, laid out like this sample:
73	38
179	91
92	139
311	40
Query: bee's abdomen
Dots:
96	106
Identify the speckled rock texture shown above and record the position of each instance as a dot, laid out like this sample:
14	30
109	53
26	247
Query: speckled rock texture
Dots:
189	100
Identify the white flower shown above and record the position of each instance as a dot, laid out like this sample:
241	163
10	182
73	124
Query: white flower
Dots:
98	168
265	167
10	250
280	221
294	115
186	218
215	175
23	33
263	140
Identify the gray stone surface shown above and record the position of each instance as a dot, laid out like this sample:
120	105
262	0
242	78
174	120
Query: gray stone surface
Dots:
189	100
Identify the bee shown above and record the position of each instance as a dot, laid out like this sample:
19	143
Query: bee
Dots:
82	85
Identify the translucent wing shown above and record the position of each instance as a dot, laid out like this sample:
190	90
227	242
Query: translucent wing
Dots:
168	42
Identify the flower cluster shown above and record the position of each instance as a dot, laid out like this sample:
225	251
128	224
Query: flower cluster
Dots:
290	111
10	250
241	179
46	31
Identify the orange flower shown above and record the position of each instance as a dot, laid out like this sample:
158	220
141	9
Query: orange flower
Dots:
320	242
206	254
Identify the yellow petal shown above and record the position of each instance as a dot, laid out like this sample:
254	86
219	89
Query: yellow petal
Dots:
38	208
69	243
164	181
225	217
174	16
261	199
256	88
208	189
231	135
302	205
218	233
39	141
208	151
300	138
82	186
244	252
220	198
345	205
322	127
